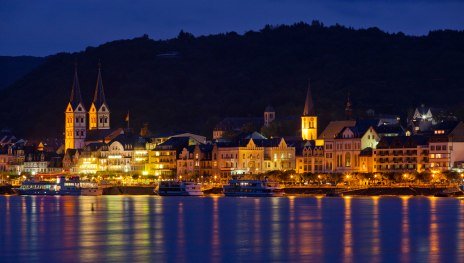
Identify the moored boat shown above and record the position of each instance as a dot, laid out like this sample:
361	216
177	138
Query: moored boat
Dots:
62	186
178	188
256	188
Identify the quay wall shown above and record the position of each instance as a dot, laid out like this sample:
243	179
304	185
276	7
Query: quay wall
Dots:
6	190
371	191
129	190
289	191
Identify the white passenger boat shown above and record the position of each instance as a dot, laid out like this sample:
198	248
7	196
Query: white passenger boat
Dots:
178	188
256	188
62	186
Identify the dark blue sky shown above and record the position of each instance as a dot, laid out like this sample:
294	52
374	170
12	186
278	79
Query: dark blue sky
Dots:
48	26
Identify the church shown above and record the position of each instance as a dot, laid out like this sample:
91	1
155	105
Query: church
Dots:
77	133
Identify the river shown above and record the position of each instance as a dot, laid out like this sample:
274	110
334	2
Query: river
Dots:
222	229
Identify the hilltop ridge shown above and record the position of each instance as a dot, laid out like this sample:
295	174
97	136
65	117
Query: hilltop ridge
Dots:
190	83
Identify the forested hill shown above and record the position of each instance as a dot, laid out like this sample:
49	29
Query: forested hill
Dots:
189	83
14	68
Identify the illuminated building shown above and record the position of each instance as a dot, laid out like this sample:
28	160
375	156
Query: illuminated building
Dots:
309	118
252	154
402	154
446	146
277	154
203	160
185	162
344	141
328	136
124	154
310	158
75	118
366	160
71	159
162	160
99	114
195	161
240	157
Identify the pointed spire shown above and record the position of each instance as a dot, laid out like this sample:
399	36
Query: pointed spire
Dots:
99	95
348	108
76	96
309	106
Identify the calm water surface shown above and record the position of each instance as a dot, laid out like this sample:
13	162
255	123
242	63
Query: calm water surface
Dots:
220	229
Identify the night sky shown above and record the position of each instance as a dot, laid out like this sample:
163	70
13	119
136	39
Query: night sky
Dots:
48	26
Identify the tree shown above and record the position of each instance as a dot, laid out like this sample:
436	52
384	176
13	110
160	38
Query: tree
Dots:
451	176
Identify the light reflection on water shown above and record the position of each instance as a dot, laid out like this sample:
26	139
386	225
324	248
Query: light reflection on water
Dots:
217	229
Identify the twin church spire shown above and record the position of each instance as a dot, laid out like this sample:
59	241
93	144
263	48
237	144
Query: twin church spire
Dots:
75	114
99	113
76	97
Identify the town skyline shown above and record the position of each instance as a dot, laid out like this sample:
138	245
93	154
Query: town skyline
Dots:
231	131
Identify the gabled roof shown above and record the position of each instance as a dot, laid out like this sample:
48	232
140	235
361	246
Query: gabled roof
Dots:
129	139
99	95
301	145
174	143
396	142
103	135
334	128
388	129
255	136
94	146
274	142
446	126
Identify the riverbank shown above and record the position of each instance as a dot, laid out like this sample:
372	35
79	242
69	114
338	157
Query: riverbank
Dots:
372	191
289	191
6	190
129	190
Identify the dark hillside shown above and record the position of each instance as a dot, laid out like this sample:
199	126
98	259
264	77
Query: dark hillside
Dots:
14	68
189	83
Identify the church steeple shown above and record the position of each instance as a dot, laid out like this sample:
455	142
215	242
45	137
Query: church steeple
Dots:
309	118
75	117
99	94
99	114
348	108
309	105
76	97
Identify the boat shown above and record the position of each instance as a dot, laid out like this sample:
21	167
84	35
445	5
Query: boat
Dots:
178	188
334	194
258	188
449	192
62	186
